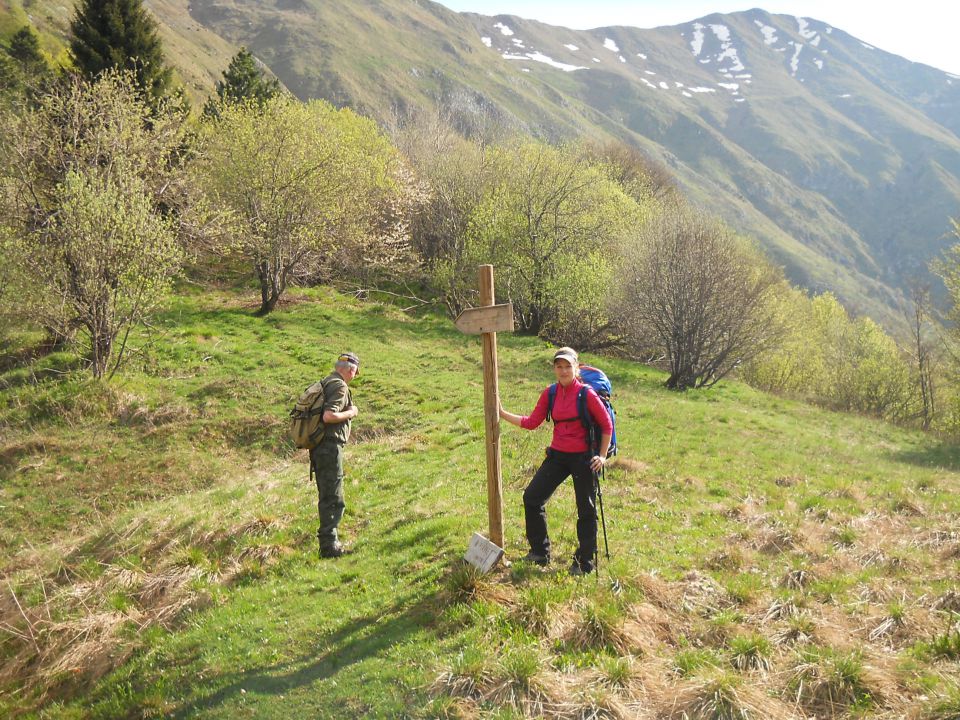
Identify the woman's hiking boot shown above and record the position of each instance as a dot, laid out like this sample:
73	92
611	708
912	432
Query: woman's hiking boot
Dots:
332	551
580	568
537	558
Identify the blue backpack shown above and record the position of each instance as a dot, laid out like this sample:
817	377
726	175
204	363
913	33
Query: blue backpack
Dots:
594	378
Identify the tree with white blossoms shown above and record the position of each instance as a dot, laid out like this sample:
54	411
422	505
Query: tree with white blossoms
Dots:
92	204
300	184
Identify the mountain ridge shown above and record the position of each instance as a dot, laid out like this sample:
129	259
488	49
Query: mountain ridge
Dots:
842	160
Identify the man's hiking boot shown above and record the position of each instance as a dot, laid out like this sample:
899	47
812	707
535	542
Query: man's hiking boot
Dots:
537	558
332	551
579	569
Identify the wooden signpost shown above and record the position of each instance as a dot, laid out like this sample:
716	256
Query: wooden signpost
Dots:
487	320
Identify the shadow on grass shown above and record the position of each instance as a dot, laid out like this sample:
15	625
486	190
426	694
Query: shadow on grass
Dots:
945	456
361	639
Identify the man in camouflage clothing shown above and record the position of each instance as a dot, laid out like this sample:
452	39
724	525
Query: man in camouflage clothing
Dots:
327	456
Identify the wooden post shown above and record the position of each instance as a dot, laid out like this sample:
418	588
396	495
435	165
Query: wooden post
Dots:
491	393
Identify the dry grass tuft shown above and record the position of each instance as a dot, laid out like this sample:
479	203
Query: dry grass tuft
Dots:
797	579
827	683
464	583
908	507
948	602
629	465
798	629
600	626
779	610
731	559
952	552
723	698
703	596
88	611
658	591
665	627
775	539
937	538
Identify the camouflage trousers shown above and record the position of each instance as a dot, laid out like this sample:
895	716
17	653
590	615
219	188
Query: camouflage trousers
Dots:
327	459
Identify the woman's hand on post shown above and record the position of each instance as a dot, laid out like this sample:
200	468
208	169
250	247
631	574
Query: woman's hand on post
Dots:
597	462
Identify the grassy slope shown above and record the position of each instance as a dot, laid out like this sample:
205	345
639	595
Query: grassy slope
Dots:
170	505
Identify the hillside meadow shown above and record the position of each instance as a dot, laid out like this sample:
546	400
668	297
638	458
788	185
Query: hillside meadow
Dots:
768	559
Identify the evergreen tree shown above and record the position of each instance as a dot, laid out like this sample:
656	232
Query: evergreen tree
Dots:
119	34
25	47
243	79
9	75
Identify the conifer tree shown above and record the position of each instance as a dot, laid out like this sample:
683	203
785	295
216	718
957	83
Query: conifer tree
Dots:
243	79
25	47
119	34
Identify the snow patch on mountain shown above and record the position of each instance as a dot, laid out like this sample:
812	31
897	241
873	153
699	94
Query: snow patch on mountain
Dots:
503	29
610	45
804	29
487	41
541	58
570	47
722	32
795	60
728	51
769	33
696	45
868	47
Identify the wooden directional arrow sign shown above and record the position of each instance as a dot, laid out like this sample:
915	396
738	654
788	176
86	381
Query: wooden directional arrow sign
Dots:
492	318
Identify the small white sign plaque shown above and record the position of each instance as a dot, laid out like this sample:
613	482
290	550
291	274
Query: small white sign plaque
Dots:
482	554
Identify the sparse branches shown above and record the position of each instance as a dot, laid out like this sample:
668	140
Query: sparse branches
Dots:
637	174
923	351
700	294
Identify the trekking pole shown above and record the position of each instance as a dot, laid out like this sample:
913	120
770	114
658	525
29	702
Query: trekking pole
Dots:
603	521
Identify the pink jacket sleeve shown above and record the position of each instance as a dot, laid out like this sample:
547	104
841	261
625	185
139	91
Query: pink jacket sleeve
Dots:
539	414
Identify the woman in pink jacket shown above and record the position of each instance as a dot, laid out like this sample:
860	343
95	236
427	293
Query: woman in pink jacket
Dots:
569	454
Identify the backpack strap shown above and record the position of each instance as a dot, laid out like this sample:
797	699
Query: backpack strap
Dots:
582	410
551	396
593	430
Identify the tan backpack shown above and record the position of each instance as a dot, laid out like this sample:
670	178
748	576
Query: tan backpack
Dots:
306	418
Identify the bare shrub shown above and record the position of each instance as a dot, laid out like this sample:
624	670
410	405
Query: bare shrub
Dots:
699	294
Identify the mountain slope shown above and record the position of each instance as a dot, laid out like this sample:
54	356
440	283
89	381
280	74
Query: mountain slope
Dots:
843	160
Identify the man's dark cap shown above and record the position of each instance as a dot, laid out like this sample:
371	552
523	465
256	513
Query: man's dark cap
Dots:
350	358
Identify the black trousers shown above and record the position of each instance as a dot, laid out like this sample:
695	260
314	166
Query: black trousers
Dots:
556	468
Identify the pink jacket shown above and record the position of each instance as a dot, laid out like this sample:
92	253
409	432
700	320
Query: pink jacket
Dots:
571	436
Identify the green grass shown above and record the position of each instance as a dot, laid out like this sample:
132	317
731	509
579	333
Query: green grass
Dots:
169	505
